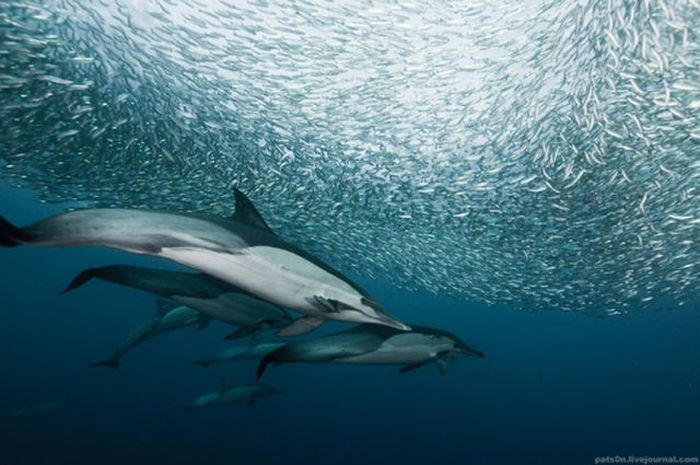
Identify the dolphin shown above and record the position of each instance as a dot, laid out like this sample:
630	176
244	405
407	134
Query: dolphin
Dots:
241	250
372	344
227	395
212	297
169	317
246	352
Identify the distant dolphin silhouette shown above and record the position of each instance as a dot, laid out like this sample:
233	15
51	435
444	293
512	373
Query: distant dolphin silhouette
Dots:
244	352
169	317
372	344
241	250
212	297
227	395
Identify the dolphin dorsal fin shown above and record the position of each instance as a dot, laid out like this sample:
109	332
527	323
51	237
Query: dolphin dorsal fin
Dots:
246	213
164	306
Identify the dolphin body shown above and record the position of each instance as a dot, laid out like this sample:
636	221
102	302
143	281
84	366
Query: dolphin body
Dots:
247	352
227	395
169	317
212	297
377	345
241	250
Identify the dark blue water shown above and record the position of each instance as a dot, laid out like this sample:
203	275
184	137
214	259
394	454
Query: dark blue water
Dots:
555	387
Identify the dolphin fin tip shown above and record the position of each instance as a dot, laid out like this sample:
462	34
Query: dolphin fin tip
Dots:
202	363
83	277
246	212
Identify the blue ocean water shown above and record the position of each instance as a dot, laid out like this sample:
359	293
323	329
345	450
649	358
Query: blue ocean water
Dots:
523	174
554	388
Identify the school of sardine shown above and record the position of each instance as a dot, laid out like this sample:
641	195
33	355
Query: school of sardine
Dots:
543	154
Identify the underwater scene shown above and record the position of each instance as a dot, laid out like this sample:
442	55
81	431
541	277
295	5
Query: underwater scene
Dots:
353	232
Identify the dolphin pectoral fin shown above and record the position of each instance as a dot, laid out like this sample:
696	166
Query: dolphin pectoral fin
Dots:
261	367
243	331
323	304
442	365
203	321
301	326
412	366
251	401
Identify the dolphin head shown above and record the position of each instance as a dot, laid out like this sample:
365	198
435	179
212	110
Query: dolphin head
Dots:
447	343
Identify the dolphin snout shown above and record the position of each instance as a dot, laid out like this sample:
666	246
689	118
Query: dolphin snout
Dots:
387	321
466	350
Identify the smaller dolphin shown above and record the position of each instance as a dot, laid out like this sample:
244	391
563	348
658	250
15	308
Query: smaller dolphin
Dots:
168	317
247	352
374	344
213	297
227	395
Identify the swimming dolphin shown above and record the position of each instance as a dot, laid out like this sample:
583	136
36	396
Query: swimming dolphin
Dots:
245	352
212	297
169	317
226	395
241	250
372	344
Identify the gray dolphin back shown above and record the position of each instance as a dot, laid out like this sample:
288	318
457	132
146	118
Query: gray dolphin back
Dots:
354	341
164	283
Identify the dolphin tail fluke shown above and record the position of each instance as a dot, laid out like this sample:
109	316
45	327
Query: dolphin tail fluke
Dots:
110	362
82	278
11	235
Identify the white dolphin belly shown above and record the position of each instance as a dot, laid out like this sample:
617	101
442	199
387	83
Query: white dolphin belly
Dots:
276	275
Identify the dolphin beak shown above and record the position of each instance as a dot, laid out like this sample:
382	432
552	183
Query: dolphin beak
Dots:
466	350
388	321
